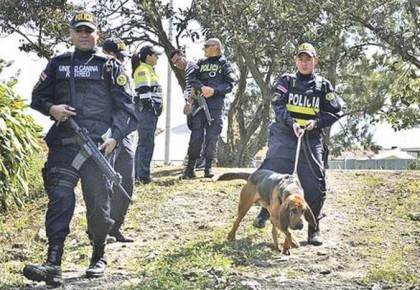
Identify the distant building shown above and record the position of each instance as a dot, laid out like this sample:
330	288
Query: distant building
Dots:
413	151
393	153
392	159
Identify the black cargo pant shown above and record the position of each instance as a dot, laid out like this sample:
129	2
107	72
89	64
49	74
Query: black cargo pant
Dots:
60	179
123	164
201	132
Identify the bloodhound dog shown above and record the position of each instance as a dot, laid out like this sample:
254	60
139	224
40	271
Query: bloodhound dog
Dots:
281	194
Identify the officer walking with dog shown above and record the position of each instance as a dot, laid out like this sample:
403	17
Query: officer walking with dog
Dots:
304	103
88	87
148	99
213	77
124	155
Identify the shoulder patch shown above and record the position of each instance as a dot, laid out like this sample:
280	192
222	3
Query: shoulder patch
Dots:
330	96
282	89
141	73
122	80
43	76
276	96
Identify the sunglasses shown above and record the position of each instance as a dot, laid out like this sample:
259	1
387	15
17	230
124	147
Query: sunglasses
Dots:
87	30
208	45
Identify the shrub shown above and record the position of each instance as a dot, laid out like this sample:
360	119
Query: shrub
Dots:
415	165
19	143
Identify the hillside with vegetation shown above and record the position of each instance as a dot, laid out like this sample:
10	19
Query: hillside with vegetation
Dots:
371	231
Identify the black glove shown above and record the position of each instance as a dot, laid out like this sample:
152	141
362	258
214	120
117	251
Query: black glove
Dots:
146	104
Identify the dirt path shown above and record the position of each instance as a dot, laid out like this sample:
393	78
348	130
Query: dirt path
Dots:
171	215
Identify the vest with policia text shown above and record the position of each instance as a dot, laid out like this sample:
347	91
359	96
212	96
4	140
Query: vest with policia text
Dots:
215	72
304	98
146	77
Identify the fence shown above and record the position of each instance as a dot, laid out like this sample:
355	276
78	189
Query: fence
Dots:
387	164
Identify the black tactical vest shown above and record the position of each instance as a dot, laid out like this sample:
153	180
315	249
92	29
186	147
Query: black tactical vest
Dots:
92	85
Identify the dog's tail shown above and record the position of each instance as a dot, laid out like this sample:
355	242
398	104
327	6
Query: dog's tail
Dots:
232	176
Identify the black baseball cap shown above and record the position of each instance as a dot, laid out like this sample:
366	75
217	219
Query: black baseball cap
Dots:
83	18
148	50
117	46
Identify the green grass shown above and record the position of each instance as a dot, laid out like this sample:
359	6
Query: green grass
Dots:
392	269
385	229
379	212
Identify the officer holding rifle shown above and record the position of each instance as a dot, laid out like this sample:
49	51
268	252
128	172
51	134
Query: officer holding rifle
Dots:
212	78
88	87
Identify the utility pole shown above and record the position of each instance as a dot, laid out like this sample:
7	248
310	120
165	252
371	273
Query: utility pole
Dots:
168	98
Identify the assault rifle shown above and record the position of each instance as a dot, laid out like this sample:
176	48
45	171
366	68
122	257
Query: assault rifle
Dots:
202	105
89	149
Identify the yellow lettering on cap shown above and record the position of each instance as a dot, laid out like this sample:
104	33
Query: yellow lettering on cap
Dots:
121	46
306	46
84	17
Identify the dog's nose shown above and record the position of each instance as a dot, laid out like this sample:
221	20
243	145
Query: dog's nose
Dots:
299	226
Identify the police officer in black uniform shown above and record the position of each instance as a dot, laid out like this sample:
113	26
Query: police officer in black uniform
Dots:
213	77
124	155
302	100
87	86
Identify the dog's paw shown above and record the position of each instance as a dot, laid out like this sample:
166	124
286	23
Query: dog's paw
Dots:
286	251
295	244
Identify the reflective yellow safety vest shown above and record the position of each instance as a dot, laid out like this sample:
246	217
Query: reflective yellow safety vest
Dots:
146	83
304	98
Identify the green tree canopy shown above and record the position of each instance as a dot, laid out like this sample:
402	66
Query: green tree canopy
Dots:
368	49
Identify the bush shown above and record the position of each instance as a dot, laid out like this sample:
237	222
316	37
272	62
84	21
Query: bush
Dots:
415	165
19	143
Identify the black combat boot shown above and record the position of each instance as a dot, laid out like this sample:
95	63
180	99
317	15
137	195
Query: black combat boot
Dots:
189	172
314	236
97	262
119	237
262	217
208	171
200	162
50	272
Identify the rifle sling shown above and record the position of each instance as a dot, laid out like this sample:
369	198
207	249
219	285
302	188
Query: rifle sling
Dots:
73	99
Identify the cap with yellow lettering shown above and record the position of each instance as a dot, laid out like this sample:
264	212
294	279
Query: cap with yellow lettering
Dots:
117	46
83	18
306	48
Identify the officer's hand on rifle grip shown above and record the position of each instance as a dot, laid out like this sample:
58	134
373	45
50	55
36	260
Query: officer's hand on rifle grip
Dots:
207	91
187	108
108	145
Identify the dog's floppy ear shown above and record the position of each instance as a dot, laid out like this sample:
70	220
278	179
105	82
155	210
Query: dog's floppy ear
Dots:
309	216
284	215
